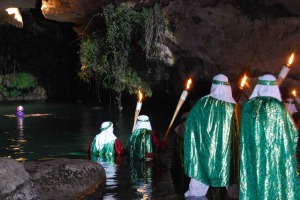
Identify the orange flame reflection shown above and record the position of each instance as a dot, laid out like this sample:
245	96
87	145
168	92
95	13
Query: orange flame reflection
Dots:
244	80
16	12
291	59
140	96
188	83
294	93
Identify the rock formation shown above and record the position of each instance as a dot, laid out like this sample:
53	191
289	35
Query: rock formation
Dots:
212	36
54	179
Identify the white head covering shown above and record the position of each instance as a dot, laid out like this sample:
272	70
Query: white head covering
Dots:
106	135
220	89
143	122
290	105
20	108
267	86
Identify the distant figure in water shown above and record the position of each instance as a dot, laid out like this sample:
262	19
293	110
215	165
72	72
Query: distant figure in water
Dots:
20	111
106	143
143	143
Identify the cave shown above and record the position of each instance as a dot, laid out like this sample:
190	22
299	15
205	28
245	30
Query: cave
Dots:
64	46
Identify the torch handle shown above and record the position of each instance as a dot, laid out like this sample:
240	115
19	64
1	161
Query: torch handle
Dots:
297	99
137	112
279	80
180	102
238	94
282	74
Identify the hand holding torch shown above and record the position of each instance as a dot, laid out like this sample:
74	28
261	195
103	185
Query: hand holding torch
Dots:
285	70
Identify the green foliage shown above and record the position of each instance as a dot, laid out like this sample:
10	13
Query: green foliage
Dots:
16	84
110	57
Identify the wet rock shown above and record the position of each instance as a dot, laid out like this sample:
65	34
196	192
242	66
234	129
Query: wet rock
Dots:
15	181
65	178
55	179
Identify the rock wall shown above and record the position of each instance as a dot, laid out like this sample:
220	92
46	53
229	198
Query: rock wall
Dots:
207	36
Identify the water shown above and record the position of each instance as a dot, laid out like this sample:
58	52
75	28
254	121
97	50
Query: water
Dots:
68	132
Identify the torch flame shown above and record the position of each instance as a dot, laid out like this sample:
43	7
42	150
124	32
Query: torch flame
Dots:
140	96
244	80
294	93
188	83
17	13
291	59
44	6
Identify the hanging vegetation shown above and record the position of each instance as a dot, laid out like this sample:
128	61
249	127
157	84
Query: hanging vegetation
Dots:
16	84
111	56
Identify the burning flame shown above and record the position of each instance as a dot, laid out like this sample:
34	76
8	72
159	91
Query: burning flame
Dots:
44	6
294	93
17	13
291	59
188	83
244	80
140	96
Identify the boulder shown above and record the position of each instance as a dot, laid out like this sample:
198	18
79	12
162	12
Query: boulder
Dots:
65	178
54	179
15	181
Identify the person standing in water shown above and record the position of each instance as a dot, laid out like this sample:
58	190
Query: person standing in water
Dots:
106	143
268	167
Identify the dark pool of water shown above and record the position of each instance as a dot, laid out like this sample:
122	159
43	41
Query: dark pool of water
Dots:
69	131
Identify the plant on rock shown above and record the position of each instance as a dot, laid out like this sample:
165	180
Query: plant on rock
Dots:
111	56
17	84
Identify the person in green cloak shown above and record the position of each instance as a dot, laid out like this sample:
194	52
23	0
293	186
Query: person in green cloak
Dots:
106	143
143	143
268	167
211	131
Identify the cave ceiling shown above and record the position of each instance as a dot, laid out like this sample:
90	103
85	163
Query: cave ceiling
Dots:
213	36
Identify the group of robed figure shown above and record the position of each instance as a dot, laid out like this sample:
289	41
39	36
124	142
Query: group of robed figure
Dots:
254	149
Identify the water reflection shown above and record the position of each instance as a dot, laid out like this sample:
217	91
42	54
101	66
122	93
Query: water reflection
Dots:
108	163
69	132
18	145
140	176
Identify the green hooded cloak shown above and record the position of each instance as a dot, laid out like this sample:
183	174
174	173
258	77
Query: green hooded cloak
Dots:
210	134
139	143
268	167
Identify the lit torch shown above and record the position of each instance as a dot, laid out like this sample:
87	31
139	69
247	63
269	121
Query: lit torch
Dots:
183	96
240	89
16	12
285	70
297	99
137	109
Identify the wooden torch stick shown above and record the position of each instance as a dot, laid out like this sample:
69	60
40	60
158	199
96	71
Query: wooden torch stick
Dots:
137	109
285	70
137	112
179	104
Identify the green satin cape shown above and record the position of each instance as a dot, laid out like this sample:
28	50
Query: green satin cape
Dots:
108	149
268	152
210	127
139	143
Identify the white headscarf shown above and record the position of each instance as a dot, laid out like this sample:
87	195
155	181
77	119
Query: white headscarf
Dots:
290	106
106	135
220	89
266	87
143	122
